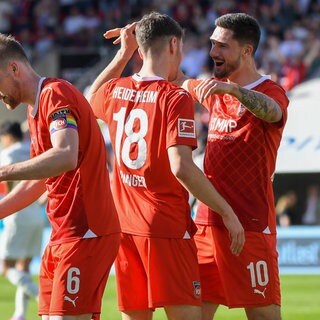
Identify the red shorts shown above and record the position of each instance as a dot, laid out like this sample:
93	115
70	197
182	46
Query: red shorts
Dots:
248	280
73	276
156	272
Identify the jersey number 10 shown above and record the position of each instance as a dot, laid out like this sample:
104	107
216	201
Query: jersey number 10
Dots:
258	273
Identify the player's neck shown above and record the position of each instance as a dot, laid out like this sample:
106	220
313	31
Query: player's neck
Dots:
245	76
154	70
31	84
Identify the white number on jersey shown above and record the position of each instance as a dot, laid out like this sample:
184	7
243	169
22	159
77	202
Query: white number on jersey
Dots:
258	273
125	126
73	281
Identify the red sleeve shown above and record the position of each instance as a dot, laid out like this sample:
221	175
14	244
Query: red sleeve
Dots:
98	101
58	97
191	85
277	93
181	129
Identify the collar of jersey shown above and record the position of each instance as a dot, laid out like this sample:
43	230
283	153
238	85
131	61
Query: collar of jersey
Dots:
137	77
256	83
36	105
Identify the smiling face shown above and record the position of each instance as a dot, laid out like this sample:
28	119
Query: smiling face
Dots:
225	52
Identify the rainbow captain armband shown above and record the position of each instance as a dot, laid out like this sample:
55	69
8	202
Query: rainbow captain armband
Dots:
62	119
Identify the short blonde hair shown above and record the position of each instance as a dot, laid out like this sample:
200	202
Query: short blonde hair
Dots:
10	48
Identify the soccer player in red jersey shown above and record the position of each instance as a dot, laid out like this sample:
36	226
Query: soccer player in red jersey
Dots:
152	130
248	112
69	161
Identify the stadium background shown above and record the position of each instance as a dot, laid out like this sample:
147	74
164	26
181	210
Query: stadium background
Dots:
64	38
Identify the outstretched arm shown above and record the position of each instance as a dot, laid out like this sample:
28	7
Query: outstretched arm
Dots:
115	68
192	178
21	196
62	157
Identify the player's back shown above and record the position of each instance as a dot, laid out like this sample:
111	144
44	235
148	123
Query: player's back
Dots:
145	118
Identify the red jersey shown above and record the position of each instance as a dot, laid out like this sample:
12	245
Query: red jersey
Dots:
241	155
80	203
145	118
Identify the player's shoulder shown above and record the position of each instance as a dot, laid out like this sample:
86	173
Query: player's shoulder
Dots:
56	83
57	86
115	81
272	88
266	83
110	84
174	90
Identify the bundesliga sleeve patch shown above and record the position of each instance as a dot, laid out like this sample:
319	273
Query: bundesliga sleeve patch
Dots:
62	119
186	128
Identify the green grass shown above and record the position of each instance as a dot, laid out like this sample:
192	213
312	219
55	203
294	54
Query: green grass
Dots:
300	301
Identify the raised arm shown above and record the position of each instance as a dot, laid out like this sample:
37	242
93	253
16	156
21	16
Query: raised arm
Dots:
193	179
261	105
114	69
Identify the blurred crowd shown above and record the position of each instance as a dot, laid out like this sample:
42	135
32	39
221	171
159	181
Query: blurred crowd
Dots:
289	48
292	210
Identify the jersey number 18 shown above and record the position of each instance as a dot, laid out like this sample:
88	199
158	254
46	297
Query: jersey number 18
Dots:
126	126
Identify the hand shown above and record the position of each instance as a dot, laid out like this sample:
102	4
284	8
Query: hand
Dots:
125	36
207	87
236	233
112	33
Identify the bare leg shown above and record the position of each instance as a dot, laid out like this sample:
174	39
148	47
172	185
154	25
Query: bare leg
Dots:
137	315
183	312
17	272
7	264
208	310
272	312
87	316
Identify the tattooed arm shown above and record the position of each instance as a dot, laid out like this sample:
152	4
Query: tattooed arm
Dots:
261	105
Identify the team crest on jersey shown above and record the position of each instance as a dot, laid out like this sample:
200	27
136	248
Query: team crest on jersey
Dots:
241	110
196	289
186	128
234	105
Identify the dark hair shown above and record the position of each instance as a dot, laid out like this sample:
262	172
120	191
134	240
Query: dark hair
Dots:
156	26
12	128
245	28
10	48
